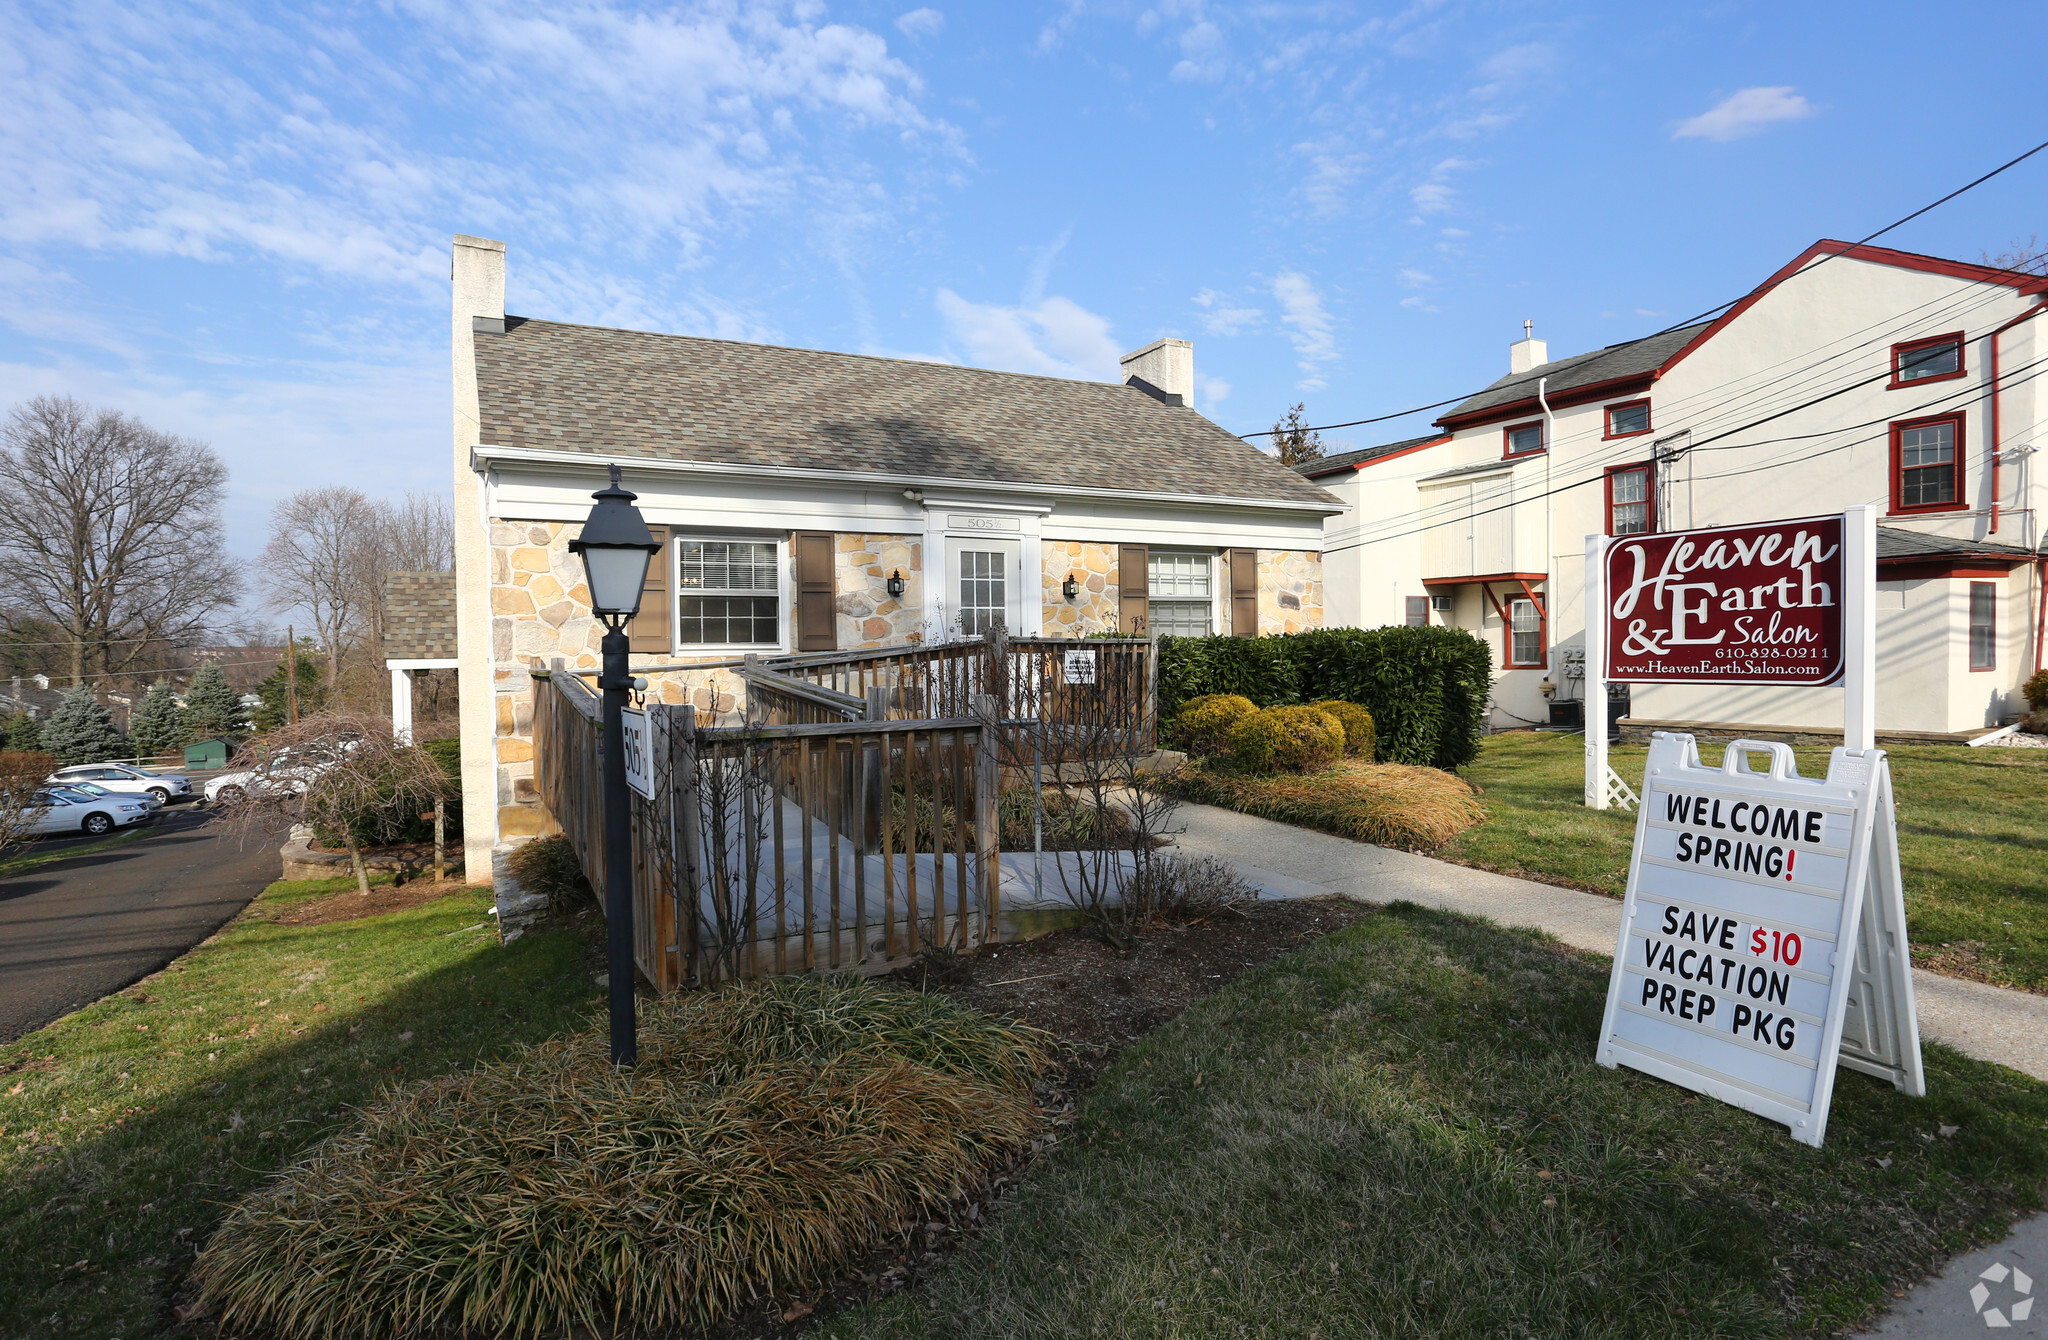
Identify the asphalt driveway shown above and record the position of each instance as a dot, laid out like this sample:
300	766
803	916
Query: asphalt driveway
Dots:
77	929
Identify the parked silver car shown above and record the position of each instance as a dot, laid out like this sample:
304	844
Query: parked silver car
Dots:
125	779
59	810
284	770
94	791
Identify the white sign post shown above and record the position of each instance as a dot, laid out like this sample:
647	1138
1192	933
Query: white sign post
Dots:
638	746
1763	936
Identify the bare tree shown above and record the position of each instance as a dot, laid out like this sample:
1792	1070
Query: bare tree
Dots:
414	534
1294	441
315	562
21	776
2026	255
113	534
344	773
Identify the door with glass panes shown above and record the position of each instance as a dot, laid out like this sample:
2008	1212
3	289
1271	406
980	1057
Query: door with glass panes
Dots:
984	585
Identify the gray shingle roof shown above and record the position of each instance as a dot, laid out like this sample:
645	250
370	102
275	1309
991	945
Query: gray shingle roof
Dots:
419	616
1566	374
1330	465
1892	542
621	393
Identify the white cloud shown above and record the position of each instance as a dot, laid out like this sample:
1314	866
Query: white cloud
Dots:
1213	391
1203	56
1055	337
1220	318
1745	113
921	23
1301	307
1415	278
1435	195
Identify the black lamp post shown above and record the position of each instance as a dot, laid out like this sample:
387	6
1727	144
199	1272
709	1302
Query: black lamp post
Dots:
616	547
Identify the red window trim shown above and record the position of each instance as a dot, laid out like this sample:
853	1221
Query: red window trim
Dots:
1649	494
1607	419
1507	626
1970	650
1962	359
1507	437
1962	503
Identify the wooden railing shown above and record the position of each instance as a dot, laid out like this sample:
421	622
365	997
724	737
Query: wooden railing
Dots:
790	847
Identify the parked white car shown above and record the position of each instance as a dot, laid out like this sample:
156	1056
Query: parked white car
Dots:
94	791
59	810
123	779
284	771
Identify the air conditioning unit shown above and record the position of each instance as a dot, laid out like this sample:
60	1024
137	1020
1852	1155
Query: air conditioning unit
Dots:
1443	604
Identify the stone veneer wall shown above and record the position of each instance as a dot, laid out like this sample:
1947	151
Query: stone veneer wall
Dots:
1094	610
540	612
1290	591
869	616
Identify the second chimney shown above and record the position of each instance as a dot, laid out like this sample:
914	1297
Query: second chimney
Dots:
1163	369
1527	352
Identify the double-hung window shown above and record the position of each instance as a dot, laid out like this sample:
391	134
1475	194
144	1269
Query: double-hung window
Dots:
1983	625
728	593
1927	473
1181	593
1930	360
1525	633
1418	611
1628	500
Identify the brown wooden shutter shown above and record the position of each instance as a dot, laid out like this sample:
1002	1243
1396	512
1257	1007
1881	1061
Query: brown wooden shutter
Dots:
1134	590
1244	593
650	629
817	619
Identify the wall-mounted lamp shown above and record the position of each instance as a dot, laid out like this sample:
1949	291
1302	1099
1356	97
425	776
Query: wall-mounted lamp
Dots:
915	495
896	585
1071	587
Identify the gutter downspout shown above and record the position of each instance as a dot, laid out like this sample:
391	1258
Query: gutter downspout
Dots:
1549	557
1997	448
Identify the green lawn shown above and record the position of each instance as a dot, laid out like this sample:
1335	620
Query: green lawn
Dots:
1400	1131
1973	846
125	1129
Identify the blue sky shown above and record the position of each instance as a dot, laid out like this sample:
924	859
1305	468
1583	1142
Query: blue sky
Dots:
234	220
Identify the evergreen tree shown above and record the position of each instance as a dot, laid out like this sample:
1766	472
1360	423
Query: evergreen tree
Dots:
81	730
1294	442
22	735
276	707
211	707
157	725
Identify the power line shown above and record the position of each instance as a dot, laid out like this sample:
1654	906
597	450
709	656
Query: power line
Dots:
1710	312
1964	392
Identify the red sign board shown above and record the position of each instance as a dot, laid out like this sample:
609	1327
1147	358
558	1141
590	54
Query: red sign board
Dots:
1755	604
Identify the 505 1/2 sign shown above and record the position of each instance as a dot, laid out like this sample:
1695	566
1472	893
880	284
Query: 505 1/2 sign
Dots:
1759	604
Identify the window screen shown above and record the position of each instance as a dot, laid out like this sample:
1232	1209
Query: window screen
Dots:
1941	359
729	593
1182	593
1631	418
1528	437
1983	626
1418	611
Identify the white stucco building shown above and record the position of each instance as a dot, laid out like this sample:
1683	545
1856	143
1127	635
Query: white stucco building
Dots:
1854	375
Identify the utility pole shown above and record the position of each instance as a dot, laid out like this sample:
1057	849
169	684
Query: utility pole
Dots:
291	674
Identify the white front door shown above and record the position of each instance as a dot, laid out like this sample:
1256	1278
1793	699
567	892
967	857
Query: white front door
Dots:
984	585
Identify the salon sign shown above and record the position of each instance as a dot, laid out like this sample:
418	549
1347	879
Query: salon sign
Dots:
1759	604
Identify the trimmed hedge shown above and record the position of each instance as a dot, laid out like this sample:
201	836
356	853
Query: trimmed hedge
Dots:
1356	721
1204	725
1426	688
1290	739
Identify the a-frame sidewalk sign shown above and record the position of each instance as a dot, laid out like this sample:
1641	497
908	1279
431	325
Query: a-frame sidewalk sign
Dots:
1763	933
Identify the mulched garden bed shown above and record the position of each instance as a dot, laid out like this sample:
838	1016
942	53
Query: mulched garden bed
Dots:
1097	1002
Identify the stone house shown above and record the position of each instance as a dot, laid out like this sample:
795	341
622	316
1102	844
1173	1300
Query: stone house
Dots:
814	502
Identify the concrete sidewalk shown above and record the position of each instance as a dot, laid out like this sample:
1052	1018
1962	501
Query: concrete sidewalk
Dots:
1987	1022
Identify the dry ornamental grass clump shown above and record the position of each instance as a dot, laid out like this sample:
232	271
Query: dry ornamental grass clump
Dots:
768	1133
1391	804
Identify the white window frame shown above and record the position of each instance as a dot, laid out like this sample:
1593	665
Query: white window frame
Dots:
785	587
1219	593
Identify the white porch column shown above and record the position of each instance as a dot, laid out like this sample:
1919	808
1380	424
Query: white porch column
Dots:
401	706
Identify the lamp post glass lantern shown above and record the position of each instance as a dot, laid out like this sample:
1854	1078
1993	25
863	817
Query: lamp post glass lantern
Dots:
616	547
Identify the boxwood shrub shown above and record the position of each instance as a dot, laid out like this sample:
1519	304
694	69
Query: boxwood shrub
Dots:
1426	687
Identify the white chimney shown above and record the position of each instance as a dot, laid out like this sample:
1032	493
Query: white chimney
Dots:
1527	352
1167	369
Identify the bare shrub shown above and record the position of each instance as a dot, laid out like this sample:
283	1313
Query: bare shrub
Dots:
344	773
1178	890
549	866
21	775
